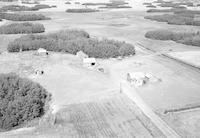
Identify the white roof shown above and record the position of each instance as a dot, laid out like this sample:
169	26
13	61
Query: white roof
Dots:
137	75
41	50
89	60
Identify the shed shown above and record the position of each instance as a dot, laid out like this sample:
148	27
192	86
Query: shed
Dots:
89	62
81	55
137	78
42	51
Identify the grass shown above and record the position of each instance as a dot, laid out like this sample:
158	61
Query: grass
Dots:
21	28
72	41
23	17
83	10
179	37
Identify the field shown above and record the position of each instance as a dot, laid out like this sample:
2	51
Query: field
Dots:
100	106
185	122
191	57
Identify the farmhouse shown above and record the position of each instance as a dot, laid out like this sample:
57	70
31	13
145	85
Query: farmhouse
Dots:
137	78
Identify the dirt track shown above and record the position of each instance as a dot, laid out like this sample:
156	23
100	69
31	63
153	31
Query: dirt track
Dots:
163	126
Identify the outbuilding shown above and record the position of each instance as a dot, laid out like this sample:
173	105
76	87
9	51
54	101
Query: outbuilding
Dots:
89	62
42	51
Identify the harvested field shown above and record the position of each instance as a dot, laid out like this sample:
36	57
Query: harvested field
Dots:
113	116
186	123
190	57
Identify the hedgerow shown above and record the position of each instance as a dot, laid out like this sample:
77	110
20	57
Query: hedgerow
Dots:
72	41
21	100
21	28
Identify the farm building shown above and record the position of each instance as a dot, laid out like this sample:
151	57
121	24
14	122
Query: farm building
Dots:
89	62
42	51
137	78
81	55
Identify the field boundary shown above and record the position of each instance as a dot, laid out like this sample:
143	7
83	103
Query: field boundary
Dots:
181	109
170	57
181	61
161	125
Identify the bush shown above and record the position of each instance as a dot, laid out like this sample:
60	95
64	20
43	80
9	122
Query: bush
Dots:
115	7
68	2
159	1
21	28
180	37
109	5
159	35
53	6
179	9
23	17
169	4
151	6
84	10
15	8
23	8
72	41
190	12
8	0
94	4
147	3
40	6
126	49
21	100
178	19
174	5
30	2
